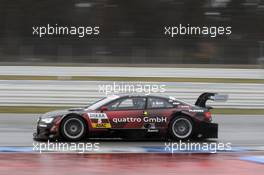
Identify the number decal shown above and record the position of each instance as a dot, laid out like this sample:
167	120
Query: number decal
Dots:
99	120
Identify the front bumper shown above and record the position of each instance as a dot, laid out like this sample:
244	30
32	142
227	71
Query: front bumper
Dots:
207	130
45	132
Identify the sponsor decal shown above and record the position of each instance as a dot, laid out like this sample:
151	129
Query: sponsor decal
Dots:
101	125
99	120
184	106
139	120
97	116
196	110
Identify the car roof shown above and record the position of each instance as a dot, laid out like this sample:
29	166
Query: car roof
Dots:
142	95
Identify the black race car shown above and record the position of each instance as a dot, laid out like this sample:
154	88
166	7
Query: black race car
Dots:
131	116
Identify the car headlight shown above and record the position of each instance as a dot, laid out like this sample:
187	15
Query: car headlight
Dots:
47	120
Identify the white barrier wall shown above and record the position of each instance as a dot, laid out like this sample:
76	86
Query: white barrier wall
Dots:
133	72
79	93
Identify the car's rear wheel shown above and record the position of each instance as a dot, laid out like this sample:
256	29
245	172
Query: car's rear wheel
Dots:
73	128
181	128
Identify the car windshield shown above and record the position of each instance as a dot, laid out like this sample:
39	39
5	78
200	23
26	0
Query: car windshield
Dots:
101	102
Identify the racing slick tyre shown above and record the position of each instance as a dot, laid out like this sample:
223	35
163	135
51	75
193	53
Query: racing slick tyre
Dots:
73	128
181	128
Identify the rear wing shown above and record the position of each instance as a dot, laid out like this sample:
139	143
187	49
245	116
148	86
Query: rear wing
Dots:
202	99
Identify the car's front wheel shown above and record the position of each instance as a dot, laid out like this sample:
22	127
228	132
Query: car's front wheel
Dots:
73	128
181	128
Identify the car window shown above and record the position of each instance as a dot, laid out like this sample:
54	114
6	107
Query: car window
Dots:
128	103
101	102
154	102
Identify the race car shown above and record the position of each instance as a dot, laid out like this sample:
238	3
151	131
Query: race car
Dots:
131	117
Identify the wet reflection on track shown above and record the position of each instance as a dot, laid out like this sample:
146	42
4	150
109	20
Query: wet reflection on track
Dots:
147	164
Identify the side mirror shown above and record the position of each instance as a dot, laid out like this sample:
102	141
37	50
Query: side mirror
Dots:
103	108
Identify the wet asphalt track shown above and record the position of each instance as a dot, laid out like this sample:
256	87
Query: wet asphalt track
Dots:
127	164
239	130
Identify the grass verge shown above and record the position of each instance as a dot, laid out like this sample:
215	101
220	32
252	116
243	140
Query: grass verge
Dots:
147	79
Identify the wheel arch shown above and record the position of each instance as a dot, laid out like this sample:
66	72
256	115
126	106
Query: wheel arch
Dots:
180	113
175	115
73	115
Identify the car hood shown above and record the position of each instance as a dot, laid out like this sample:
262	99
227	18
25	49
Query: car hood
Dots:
62	112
